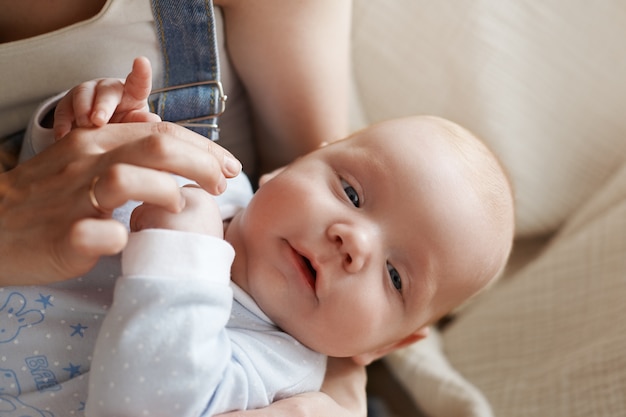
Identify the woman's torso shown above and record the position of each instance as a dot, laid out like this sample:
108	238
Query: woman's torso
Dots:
104	45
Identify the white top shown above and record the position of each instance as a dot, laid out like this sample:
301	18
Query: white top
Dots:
34	69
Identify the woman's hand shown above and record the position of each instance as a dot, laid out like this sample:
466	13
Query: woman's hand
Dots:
343	395
55	209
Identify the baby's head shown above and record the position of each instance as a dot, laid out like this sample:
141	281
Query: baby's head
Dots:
356	248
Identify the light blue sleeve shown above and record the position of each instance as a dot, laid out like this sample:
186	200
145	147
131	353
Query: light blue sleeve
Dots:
162	349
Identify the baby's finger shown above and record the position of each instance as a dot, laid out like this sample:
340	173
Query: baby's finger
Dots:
108	95
147	216
82	97
138	84
63	117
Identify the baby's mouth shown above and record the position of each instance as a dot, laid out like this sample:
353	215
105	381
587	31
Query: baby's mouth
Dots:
306	267
309	265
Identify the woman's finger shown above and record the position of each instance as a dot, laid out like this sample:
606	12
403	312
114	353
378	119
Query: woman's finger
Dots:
85	153
207	164
121	183
89	239
114	135
159	152
141	116
161	146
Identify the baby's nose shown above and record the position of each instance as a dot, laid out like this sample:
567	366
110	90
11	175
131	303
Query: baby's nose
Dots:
355	245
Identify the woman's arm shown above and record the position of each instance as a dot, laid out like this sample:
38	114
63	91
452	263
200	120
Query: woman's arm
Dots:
342	395
293	58
345	383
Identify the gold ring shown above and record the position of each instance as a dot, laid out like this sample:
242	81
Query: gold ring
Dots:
92	196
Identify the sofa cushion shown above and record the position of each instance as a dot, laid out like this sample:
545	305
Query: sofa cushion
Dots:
550	339
542	83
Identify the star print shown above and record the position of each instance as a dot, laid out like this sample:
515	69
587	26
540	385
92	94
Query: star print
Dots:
79	329
45	301
74	370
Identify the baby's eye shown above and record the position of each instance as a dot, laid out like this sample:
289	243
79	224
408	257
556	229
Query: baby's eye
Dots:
394	275
353	196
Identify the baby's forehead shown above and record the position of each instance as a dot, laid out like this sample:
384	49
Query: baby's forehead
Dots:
413	137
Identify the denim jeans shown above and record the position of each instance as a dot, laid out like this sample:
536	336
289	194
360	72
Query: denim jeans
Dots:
192	94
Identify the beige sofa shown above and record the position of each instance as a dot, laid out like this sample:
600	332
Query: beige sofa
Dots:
544	83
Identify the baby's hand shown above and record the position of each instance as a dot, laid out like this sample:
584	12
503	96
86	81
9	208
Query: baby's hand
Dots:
97	102
200	215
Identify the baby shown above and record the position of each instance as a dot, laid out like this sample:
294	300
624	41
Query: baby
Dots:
353	250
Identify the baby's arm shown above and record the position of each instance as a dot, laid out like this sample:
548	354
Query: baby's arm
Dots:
170	308
97	102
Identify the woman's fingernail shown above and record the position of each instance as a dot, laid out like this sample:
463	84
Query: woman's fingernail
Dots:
232	165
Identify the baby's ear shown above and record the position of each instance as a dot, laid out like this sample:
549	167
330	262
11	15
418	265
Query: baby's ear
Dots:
369	357
266	177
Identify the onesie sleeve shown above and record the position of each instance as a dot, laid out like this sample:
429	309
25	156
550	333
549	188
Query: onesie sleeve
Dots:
163	348
37	138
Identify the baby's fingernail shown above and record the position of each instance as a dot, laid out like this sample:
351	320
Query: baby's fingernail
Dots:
99	118
221	185
232	165
59	133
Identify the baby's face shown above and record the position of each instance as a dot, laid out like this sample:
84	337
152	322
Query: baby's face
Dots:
363	242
